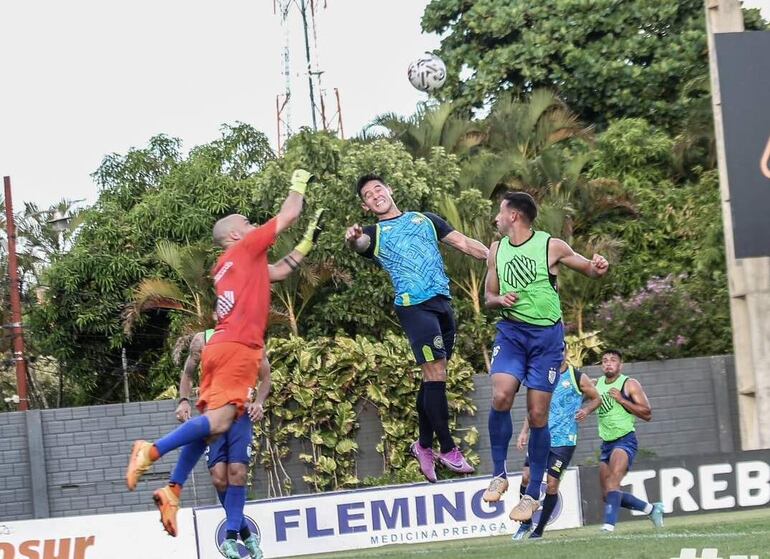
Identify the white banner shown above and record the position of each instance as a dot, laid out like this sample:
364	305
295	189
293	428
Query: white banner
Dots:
365	518
106	536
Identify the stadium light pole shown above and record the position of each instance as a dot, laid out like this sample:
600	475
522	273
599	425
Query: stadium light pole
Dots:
13	275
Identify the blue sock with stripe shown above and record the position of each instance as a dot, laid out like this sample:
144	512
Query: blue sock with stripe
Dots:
500	428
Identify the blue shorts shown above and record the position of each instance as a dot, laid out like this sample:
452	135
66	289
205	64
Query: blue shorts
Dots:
627	443
234	447
533	354
559	458
430	328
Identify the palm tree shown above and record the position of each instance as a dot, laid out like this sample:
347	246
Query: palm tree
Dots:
190	292
518	136
430	127
292	296
467	273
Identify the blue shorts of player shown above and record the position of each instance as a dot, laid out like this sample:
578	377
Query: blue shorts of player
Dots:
430	328
234	447
558	460
627	443
533	354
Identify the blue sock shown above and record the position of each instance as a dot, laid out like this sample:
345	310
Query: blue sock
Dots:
244	531
196	429
500	428
188	457
538	449
234	502
628	501
612	508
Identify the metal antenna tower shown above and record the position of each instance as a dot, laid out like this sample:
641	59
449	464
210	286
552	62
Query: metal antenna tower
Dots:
282	102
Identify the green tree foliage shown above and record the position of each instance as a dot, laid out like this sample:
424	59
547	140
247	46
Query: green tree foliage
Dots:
126	258
319	387
678	234
607	59
147	195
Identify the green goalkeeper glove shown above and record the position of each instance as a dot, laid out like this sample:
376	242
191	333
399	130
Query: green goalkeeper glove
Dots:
299	181
314	229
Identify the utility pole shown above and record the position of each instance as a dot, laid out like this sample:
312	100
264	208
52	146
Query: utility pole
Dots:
748	278
13	276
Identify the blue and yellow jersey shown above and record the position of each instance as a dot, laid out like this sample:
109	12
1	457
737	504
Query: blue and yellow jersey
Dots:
565	403
407	248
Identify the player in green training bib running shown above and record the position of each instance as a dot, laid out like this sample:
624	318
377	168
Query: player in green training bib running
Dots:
623	400
529	346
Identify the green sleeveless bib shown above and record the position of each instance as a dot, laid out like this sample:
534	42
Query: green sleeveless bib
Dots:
614	420
523	269
207	335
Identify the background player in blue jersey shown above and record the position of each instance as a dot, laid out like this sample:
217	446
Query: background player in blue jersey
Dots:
567	409
405	244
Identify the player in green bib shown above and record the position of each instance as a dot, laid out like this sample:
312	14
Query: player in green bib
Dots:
529	346
622	401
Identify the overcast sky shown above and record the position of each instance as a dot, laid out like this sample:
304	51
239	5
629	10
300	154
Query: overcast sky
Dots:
80	79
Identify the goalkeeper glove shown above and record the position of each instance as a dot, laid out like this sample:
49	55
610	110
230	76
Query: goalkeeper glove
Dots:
314	229
299	181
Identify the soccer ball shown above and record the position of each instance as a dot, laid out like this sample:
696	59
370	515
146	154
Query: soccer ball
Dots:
427	73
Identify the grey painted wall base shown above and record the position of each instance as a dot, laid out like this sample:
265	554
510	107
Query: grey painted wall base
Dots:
71	461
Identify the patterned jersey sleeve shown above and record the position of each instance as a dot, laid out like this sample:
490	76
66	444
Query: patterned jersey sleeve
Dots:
442	227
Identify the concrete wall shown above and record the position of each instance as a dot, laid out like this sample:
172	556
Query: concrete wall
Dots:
84	453
71	461
693	408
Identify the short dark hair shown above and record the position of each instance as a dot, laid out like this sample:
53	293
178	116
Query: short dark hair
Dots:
363	179
523	203
613	351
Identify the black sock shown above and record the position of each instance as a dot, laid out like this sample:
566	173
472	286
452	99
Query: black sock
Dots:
244	533
232	535
426	429
437	410
549	503
522	490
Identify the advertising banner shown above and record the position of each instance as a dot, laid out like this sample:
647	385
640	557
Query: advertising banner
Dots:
688	485
365	518
106	536
744	83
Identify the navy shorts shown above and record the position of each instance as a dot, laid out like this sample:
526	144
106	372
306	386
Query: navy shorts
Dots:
234	447
627	443
559	458
532	354
430	328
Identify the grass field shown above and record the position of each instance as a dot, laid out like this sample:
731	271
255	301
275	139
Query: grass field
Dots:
733	533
